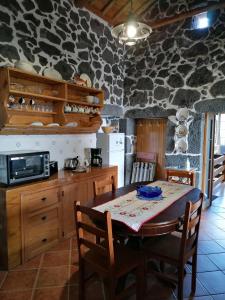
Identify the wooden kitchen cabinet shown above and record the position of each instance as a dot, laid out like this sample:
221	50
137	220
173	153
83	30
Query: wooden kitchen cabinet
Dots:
36	216
41	221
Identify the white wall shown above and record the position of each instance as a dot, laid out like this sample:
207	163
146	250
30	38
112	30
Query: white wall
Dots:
60	146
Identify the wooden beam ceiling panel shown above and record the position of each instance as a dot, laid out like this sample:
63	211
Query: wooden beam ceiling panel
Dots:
107	7
123	9
185	15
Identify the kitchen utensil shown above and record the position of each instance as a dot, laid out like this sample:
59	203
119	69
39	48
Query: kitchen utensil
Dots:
71	163
96	160
90	99
107	129
87	79
25	66
52	73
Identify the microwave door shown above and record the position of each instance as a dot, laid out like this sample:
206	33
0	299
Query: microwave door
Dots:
29	167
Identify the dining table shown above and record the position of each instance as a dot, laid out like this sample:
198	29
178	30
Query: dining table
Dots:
167	221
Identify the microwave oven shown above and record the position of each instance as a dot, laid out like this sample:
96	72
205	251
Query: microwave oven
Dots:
21	166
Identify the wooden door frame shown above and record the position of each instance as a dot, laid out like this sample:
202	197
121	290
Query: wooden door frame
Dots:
208	137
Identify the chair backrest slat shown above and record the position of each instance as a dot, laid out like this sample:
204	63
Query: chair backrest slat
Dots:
191	225
91	245
104	186
98	225
96	231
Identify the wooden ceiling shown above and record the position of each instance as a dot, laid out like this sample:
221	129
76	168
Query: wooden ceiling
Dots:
116	11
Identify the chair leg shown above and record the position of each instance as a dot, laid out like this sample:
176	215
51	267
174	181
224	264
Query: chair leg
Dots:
81	280
109	289
141	282
194	271
180	282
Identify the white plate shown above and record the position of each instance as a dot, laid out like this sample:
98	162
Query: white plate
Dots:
86	78
71	124
37	124
53	124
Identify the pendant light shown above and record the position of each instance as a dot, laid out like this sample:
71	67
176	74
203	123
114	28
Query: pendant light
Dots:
130	32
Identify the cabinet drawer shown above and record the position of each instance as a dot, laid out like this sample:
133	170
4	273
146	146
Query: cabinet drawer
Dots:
44	218
41	241
41	199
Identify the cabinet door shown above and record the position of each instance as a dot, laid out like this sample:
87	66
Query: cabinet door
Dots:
71	193
68	197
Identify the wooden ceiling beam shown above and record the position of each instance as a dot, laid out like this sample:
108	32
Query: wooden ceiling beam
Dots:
143	7
121	11
183	16
107	7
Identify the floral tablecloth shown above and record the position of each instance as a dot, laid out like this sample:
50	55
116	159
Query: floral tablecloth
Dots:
134	212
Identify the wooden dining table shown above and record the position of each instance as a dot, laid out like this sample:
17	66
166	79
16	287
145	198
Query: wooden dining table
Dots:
165	222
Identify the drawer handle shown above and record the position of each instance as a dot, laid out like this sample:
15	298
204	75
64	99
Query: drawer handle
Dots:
44	240
44	218
44	198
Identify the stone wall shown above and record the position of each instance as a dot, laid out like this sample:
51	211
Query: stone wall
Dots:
177	67
56	33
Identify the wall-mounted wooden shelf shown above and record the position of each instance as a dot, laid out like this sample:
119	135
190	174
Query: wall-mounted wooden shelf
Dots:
50	98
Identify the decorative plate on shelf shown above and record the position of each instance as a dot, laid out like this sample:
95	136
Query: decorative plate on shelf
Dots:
181	131
181	146
182	114
86	78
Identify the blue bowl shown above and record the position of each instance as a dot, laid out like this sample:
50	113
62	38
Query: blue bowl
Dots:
149	191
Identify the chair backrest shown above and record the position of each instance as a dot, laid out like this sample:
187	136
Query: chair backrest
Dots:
104	186
187	175
190	230
89	234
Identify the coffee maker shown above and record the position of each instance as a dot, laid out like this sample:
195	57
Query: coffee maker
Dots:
96	160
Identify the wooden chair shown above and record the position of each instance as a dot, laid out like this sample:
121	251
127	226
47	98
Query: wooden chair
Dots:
175	250
108	259
190	176
104	186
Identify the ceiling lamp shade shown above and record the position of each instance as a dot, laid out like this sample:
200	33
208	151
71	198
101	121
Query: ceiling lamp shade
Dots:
130	32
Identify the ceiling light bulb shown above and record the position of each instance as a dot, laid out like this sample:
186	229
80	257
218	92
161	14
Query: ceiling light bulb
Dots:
131	30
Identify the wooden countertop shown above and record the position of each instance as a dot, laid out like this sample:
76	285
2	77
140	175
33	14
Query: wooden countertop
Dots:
61	177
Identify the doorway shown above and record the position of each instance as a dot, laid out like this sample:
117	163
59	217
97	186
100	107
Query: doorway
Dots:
151	138
213	156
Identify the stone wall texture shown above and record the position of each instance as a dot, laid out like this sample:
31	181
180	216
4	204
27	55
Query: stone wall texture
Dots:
177	66
53	33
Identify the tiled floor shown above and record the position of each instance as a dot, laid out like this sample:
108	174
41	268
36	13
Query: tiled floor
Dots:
53	275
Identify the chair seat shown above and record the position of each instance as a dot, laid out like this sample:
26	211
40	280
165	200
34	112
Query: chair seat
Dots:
167	246
125	259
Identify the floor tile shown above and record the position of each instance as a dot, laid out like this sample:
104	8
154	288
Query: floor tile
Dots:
56	293
204	264
218	259
209	247
218	297
19	280
57	276
74	257
73	277
64	245
55	258
2	277
200	290
199	298
16	295
221	243
213	281
33	263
